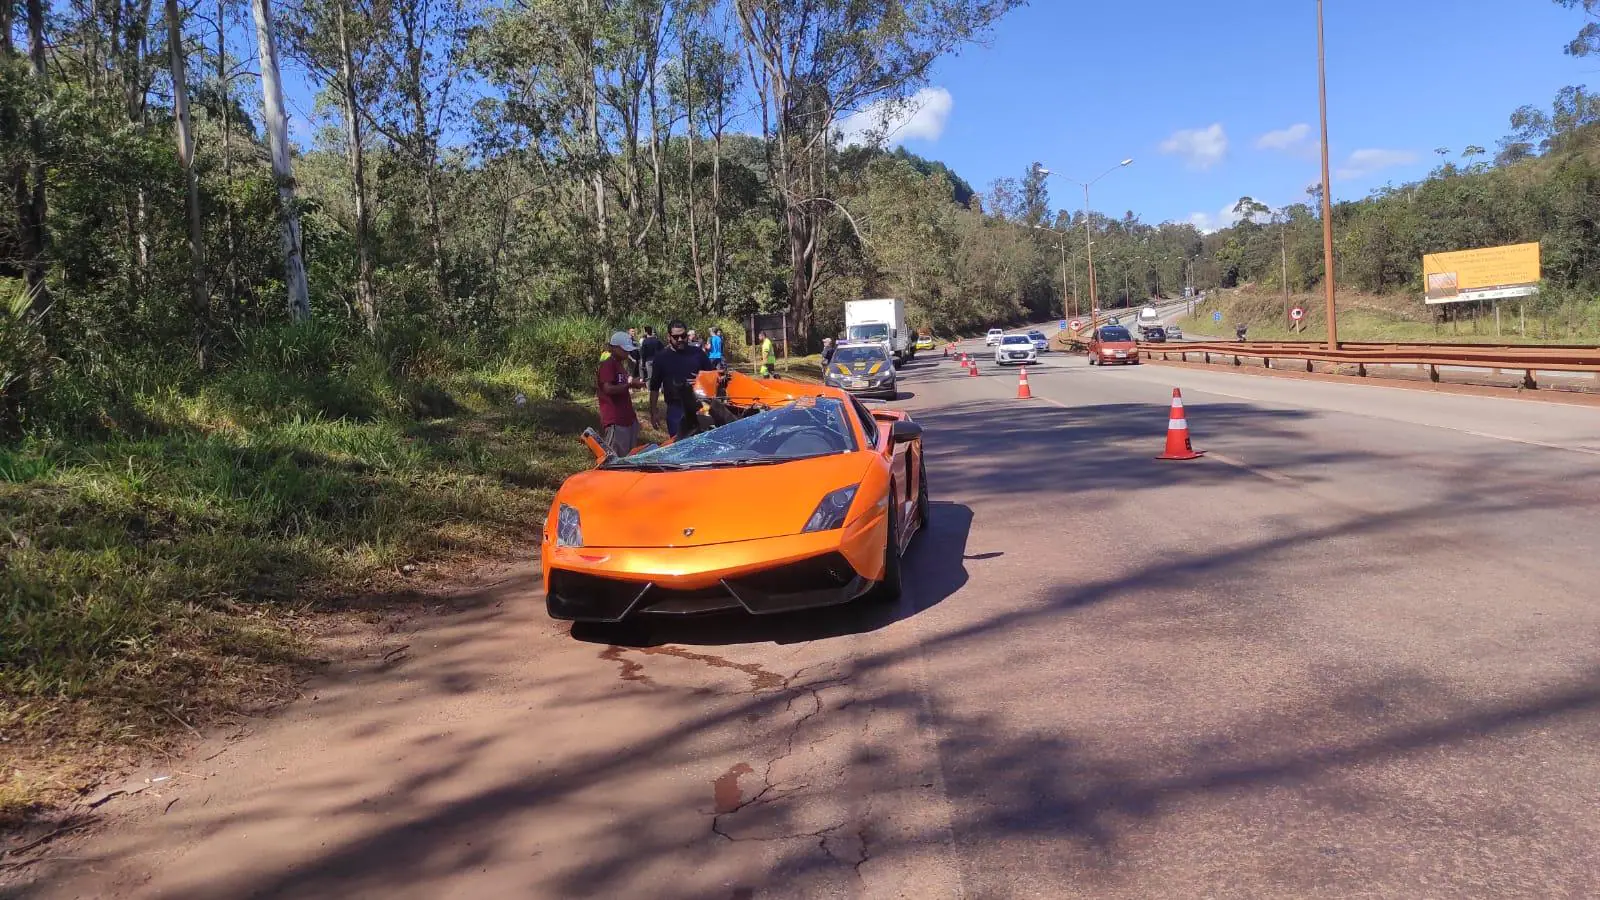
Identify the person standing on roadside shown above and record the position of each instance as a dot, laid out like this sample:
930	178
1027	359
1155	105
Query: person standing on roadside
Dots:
827	352
619	422
648	348
672	376
769	357
633	356
714	348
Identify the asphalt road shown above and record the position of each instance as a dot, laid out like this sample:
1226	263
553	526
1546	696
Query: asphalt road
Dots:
1352	652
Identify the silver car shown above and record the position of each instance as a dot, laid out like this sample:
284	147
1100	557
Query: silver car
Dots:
1015	350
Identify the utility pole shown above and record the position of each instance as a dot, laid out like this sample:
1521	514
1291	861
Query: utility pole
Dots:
1061	243
1327	187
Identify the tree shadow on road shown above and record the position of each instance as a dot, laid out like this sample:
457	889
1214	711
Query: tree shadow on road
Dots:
1184	696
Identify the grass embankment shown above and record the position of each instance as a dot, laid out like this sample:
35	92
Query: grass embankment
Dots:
1395	317
171	562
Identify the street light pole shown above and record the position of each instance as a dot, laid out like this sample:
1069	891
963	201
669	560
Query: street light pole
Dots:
1088	237
1061	244
1088	248
1327	188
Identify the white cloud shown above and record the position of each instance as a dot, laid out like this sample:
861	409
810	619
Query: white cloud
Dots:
1201	148
1291	138
1366	162
920	116
1222	218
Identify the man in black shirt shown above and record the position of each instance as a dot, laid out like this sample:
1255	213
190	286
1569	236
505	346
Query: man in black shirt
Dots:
672	373
648	348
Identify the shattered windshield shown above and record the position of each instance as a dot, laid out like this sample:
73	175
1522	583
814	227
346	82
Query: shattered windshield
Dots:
799	430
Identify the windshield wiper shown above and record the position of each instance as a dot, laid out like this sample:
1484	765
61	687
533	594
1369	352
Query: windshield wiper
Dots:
623	464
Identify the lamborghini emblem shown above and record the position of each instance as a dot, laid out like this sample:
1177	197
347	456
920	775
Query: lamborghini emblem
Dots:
688	532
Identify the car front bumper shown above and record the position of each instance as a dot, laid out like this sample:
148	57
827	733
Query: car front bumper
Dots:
889	391
769	575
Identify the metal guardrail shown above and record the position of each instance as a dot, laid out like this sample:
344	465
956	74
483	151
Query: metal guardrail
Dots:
1528	359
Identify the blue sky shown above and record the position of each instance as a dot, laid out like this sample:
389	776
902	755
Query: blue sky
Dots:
1190	92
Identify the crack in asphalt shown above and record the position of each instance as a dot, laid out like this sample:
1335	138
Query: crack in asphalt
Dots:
774	791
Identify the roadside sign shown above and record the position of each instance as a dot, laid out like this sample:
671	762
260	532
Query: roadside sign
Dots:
1063	323
1297	313
1216	316
1074	325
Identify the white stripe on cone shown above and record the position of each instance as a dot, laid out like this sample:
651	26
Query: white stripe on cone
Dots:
1177	403
1177	424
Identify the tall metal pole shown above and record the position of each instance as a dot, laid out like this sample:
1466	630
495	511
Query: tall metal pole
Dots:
1061	242
1088	246
1327	187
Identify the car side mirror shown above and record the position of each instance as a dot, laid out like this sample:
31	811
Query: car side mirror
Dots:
904	431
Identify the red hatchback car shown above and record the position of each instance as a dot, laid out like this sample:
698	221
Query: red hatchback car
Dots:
1112	345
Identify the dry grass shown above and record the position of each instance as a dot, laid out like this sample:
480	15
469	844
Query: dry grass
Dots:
1387	317
161	577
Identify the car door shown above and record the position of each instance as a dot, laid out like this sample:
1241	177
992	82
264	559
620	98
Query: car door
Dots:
903	463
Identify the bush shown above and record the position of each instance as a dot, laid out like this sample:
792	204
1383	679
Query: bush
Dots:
563	349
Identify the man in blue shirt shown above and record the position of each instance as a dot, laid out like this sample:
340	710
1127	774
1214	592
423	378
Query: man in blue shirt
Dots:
714	348
672	375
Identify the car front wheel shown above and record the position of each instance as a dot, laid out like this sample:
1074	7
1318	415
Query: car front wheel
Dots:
889	588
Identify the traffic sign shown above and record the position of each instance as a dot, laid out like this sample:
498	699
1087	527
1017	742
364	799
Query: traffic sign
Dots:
1063	323
1075	325
1297	314
1216	316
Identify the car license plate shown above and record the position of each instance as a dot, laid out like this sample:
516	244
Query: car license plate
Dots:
858	382
1122	354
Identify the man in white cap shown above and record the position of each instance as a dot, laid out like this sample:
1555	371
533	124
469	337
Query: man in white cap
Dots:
619	424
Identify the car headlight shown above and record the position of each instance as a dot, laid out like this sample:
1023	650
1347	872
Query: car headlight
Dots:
831	511
569	531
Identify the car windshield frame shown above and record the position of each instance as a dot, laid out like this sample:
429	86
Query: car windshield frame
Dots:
1017	339
870	353
1115	334
736	443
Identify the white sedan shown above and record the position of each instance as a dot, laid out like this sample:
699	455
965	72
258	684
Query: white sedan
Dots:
1015	350
993	337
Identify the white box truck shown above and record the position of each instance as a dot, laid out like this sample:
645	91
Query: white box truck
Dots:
1149	317
880	321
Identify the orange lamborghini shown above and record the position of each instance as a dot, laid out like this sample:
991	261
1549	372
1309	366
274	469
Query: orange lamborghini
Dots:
803	498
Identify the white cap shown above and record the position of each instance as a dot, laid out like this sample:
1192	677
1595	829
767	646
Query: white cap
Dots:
624	340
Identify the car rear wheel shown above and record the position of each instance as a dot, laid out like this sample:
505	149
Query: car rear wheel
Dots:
889	588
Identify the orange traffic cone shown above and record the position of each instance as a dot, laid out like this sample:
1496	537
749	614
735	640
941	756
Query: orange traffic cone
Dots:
1178	446
1023	392
972	370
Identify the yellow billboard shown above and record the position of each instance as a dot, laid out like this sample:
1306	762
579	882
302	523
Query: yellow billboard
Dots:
1492	273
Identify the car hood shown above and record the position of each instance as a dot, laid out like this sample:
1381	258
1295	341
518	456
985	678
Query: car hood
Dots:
618	508
871	368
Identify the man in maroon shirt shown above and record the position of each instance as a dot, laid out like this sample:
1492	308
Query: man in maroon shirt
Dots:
619	424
